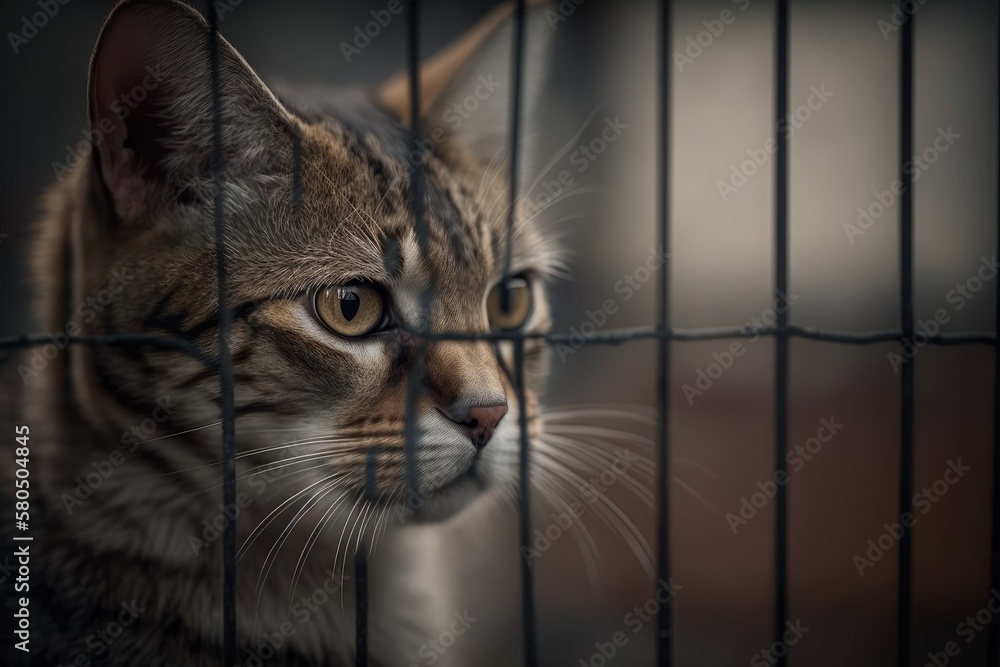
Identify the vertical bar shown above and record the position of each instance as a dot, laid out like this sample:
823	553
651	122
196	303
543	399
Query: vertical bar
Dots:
903	627
993	636
225	363
361	608
524	489
527	581
417	208
781	338
517	70
664	619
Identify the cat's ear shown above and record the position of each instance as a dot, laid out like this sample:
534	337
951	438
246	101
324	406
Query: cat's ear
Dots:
466	89
150	102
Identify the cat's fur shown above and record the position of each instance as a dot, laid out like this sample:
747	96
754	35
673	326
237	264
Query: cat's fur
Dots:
142	206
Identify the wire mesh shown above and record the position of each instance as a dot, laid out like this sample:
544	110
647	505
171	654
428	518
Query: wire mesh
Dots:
783	332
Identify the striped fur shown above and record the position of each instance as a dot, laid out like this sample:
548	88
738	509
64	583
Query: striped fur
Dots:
317	193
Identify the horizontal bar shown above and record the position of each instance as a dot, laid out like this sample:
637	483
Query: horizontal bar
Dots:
38	339
612	337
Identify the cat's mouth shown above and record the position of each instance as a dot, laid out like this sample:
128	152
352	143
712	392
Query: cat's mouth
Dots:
443	497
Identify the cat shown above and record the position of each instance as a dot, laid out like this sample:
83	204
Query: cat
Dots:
325	274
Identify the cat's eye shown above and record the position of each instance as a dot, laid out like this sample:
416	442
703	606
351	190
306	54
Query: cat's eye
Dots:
351	310
512	312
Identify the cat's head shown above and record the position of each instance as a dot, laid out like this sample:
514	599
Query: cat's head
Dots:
324	264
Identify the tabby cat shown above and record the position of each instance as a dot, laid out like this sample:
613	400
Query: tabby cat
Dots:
326	273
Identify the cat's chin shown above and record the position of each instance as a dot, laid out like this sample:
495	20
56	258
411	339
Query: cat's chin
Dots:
449	500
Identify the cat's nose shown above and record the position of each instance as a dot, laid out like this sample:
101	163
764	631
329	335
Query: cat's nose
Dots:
480	420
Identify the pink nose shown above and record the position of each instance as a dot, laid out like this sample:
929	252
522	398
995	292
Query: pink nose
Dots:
481	420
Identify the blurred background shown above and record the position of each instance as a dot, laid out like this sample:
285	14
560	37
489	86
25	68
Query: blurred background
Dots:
843	276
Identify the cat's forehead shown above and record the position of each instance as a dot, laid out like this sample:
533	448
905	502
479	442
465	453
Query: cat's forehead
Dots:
355	220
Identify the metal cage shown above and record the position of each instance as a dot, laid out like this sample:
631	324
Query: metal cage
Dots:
662	332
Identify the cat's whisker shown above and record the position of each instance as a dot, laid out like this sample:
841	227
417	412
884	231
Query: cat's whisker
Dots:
486	172
273	514
340	541
272	555
389	508
174	435
581	534
600	464
370	509
601	435
648	465
336	189
645	464
608	452
609	511
327	455
599	431
697	496
502	195
639	413
238	457
310	542
561	197
566	148
240	478
566	218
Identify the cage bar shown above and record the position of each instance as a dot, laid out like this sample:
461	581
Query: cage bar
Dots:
662	332
528	619
993	634
527	581
225	362
664	618
781	335
903	621
417	208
